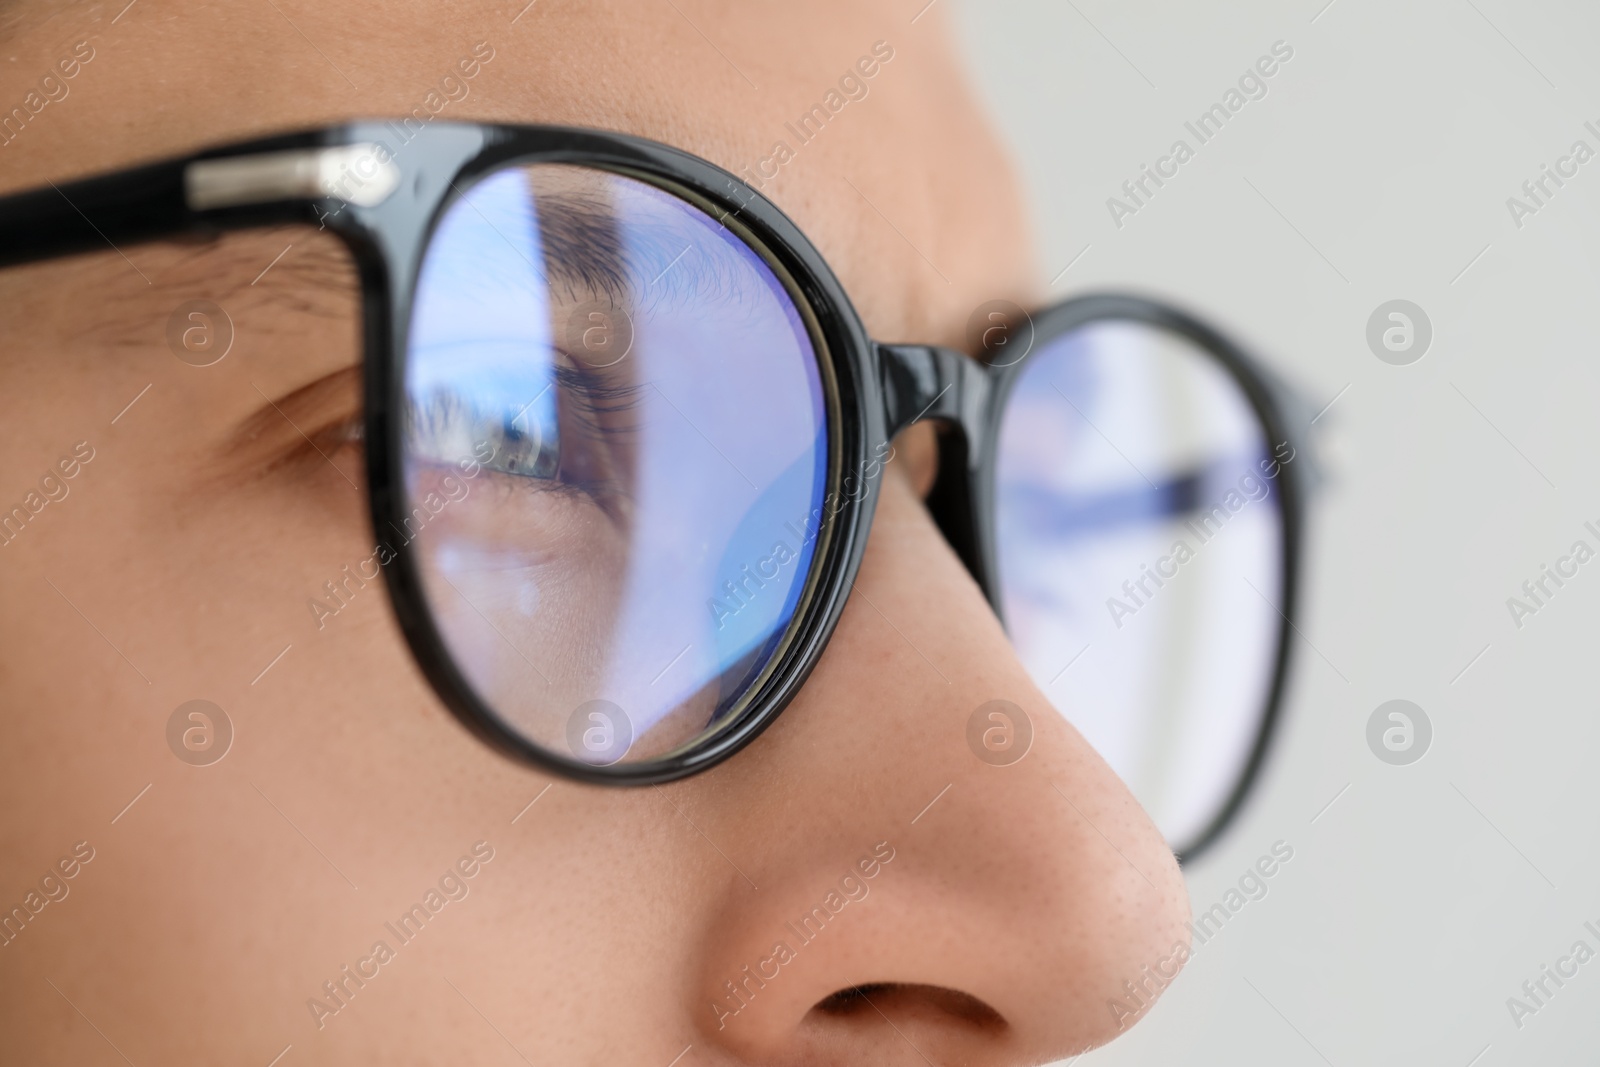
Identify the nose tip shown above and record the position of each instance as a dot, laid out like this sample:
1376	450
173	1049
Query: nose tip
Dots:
920	902
1014	921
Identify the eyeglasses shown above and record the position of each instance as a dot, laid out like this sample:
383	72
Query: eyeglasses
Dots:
625	433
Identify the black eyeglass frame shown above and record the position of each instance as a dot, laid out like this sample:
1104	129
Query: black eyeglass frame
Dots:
873	390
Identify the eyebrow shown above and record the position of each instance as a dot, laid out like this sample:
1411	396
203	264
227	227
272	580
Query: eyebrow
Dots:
313	278
590	247
319	268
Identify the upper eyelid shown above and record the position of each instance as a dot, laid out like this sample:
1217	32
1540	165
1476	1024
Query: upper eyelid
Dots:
598	396
311	423
313	408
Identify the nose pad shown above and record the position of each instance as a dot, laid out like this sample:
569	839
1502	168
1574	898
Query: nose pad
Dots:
955	503
923	898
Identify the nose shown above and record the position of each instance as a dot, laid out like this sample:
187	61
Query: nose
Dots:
925	896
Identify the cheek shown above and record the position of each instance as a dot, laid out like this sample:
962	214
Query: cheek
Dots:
532	561
528	587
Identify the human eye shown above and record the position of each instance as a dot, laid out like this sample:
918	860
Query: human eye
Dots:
510	431
535	418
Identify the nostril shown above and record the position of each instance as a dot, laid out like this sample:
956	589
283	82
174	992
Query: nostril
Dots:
894	999
849	1001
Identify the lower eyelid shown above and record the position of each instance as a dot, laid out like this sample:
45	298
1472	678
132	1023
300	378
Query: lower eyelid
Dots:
513	509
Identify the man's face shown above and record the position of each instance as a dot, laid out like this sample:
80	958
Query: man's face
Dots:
359	879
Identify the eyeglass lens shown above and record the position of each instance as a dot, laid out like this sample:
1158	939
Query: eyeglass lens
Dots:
615	452
1139	540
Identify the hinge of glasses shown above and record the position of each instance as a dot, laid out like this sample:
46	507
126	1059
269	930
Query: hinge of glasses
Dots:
360	174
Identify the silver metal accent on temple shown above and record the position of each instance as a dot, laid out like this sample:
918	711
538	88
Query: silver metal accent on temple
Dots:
360	174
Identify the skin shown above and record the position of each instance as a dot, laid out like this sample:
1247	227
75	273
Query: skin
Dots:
607	921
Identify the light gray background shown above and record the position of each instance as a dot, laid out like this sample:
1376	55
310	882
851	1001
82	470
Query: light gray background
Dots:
1384	152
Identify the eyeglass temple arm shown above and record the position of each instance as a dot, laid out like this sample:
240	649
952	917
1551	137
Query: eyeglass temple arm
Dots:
923	382
95	214
278	180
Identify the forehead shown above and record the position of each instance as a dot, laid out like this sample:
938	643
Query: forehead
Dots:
903	189
166	75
